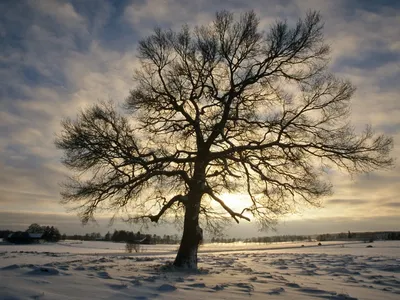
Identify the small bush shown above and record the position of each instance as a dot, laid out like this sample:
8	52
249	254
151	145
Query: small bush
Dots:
132	246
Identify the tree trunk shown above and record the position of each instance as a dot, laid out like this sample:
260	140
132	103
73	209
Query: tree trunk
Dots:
192	234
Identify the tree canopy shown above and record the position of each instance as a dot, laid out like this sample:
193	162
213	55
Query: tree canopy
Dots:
221	108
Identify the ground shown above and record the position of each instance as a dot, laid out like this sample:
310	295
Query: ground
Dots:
101	270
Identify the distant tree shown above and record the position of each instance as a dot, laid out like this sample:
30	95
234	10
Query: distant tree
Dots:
131	236
148	239
93	236
131	246
393	236
35	228
107	237
51	234
155	239
55	234
223	108
114	236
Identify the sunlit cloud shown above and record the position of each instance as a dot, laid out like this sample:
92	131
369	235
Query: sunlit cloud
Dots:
57	57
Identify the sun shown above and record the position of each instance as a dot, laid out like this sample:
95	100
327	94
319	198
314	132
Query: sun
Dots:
237	202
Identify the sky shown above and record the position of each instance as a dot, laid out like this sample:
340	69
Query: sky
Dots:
57	57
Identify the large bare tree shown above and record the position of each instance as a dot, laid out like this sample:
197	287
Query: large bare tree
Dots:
222	108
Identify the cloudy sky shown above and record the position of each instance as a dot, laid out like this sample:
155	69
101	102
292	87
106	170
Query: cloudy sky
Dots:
57	57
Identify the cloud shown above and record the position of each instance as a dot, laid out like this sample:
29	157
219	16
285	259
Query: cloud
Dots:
146	15
57	57
394	205
60	11
350	202
53	80
156	11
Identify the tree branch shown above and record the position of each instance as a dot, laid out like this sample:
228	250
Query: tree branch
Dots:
233	214
172	201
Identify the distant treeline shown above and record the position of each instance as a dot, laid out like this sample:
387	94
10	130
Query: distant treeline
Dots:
51	233
342	236
126	236
130	236
264	239
364	236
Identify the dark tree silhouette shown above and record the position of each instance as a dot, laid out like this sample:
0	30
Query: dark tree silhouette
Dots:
222	108
35	228
51	234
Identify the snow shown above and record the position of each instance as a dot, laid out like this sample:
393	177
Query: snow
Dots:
102	270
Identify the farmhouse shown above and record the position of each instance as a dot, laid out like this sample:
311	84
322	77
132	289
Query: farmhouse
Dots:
21	237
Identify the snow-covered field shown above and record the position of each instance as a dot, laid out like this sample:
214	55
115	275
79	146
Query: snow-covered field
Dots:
102	270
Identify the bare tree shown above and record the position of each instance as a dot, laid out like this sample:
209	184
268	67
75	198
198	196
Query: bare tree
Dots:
222	108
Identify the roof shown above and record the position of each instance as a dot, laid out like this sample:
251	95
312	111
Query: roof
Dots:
35	235
25	234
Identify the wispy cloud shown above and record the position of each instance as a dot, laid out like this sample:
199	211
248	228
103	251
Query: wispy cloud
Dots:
394	205
349	202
